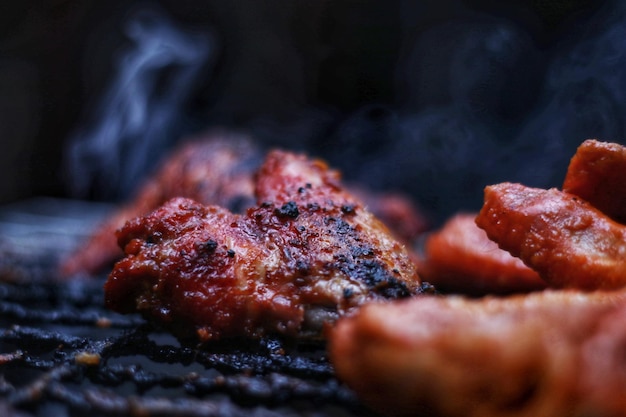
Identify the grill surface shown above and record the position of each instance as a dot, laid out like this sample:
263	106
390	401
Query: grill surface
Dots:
63	354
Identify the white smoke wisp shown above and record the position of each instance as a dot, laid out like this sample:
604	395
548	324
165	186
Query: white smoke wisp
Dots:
135	118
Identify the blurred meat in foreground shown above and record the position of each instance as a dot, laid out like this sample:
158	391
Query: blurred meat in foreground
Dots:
550	353
306	254
460	258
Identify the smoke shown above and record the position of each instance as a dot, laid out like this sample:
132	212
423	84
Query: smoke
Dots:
583	97
483	103
477	100
466	88
141	112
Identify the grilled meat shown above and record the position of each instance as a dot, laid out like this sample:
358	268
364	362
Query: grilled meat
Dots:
549	353
460	258
217	168
307	253
597	174
566	240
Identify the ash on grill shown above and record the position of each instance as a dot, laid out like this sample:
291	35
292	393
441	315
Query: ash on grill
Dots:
63	354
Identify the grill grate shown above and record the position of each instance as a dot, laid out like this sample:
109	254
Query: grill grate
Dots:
63	354
68	352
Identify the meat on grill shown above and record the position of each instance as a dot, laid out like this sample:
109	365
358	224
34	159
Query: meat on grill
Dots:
460	258
214	168
597	174
548	353
218	168
307	253
566	240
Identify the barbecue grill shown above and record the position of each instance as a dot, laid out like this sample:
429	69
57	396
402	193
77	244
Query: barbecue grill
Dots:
63	354
434	99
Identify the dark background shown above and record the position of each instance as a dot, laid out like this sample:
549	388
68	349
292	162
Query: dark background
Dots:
433	98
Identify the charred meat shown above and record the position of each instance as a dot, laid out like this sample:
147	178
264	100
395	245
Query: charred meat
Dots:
218	168
306	254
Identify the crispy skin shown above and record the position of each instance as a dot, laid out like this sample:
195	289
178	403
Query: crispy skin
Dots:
460	258
215	168
566	240
307	253
597	174
549	353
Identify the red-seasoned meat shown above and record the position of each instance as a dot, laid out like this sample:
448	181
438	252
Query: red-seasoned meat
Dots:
548	353
597	174
460	258
216	168
309	252
566	240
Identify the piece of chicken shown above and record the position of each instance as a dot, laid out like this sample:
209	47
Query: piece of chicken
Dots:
217	168
460	258
597	174
308	253
548	353
566	240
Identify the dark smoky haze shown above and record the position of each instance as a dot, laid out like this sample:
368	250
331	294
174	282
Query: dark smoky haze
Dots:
435	99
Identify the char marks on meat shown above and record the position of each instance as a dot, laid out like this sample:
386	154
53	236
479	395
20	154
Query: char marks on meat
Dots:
218	168
399	213
306	254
